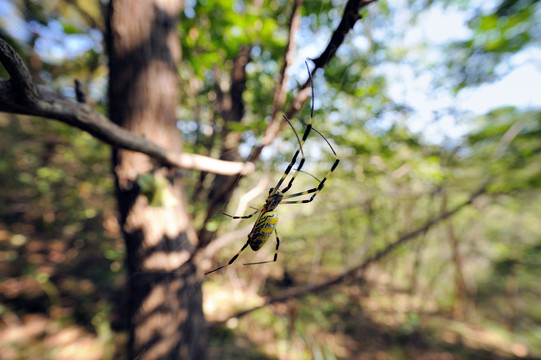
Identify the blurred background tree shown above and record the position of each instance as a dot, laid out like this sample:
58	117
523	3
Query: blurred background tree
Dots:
466	286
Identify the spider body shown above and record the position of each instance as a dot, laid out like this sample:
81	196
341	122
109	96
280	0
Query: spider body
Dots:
263	229
267	220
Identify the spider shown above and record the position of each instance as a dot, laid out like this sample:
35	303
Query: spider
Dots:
267	219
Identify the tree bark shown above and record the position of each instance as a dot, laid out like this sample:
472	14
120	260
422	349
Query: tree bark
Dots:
165	300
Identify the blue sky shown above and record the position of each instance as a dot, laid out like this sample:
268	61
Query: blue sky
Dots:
422	40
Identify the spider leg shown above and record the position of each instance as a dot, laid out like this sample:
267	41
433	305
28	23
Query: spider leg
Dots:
301	163
301	143
230	261
275	252
317	189
313	191
294	159
242	217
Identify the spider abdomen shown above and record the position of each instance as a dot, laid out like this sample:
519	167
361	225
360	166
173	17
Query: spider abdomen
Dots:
263	230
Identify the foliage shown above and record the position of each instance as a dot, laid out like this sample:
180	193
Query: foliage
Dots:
497	35
61	253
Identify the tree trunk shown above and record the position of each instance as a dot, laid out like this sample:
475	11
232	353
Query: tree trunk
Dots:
165	300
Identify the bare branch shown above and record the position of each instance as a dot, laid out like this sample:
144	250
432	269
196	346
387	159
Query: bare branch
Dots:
357	270
20	95
23	87
350	17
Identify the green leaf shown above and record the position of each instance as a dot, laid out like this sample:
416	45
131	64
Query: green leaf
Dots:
156	191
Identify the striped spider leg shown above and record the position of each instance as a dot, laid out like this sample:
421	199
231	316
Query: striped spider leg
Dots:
316	190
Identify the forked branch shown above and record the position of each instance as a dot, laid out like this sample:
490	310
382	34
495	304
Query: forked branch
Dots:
20	95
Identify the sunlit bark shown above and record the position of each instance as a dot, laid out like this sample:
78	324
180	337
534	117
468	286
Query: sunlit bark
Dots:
166	318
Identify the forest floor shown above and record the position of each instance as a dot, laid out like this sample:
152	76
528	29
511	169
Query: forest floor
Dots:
52	311
365	321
